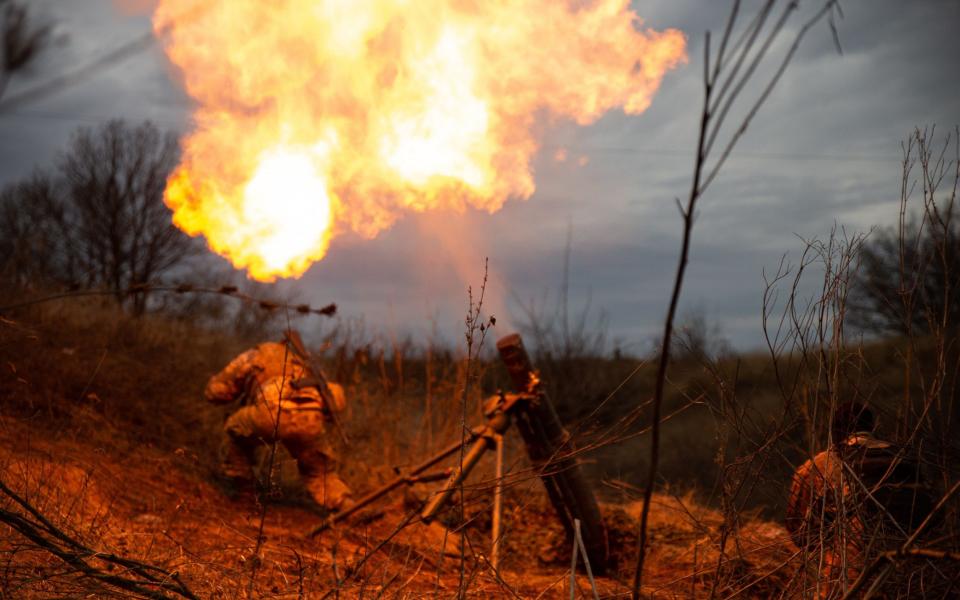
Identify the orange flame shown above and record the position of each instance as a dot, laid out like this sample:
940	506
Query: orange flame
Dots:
317	117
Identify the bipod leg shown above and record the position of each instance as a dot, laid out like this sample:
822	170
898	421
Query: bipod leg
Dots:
395	483
497	505
470	460
553	454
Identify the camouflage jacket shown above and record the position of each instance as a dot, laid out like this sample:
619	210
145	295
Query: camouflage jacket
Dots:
817	490
267	374
862	480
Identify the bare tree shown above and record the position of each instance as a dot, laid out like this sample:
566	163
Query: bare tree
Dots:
21	40
699	340
33	234
99	219
909	271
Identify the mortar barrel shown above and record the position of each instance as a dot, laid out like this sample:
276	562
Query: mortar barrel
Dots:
553	453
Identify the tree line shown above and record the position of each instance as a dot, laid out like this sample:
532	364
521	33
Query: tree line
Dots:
96	218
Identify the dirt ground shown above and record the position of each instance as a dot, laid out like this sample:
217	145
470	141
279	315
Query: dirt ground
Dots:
162	508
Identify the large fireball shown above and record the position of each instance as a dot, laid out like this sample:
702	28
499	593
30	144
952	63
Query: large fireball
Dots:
315	117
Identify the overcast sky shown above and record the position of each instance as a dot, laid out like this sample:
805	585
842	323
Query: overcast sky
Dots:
824	150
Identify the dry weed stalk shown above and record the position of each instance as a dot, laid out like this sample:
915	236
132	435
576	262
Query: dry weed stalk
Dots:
926	272
814	367
111	569
475	334
817	369
256	559
723	82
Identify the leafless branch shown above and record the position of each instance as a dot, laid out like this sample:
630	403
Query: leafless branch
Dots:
140	578
711	124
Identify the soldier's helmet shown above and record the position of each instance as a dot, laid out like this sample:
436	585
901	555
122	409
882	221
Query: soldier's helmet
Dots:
850	418
890	480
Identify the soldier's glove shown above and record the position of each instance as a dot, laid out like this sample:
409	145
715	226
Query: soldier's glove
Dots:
316	384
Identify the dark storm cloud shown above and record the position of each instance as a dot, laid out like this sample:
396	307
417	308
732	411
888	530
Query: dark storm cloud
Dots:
137	88
824	151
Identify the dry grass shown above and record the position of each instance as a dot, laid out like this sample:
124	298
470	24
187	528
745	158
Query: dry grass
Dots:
104	430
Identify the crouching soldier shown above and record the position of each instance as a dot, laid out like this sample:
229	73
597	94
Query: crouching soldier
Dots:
282	401
861	496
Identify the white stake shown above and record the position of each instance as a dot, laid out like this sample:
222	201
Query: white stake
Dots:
497	505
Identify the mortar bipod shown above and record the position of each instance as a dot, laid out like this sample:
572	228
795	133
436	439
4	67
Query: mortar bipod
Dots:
494	406
497	409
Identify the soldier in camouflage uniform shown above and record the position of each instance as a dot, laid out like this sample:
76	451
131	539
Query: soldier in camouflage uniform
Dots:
276	408
862	489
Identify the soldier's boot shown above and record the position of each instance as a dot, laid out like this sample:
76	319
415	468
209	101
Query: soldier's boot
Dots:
317	471
237	470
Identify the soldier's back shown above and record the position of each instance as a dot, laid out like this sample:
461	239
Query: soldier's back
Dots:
890	485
